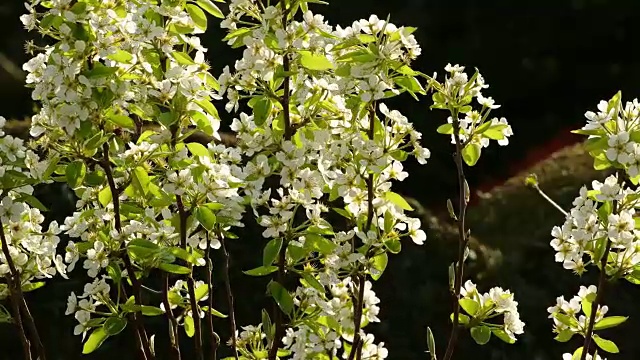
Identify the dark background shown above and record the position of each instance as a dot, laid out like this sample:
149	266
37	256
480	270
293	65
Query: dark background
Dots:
547	62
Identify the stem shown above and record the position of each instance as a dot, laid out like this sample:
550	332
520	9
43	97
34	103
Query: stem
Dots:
31	325
599	295
195	312
288	133
356	349
215	339
227	283
115	196
26	347
462	237
546	197
173	323
16	295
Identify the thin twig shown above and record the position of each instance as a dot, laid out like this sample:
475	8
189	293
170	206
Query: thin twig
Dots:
359	279
288	133
599	294
215	339
195	312
462	237
227	283
173	323
549	200
115	196
15	294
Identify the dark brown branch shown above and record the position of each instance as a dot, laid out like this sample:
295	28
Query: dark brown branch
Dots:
16	296
462	237
215	339
138	323
227	283
359	279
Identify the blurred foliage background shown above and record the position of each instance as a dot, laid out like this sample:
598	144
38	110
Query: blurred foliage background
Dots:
547	62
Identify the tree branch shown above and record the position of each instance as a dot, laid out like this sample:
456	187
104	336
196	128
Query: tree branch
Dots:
462	236
138	323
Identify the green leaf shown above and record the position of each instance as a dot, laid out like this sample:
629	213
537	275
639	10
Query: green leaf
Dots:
114	272
319	243
97	337
586	307
114	325
398	200
205	217
211	8
147	310
182	58
564	335
104	196
261	271
189	326
198	149
471	153
214	312
502	335
32	201
393	245
100	71
261	110
470	306
431	344
271	251
379	262
120	56
577	354
609	322
315	61
140	180
311	280
32	286
481	334
446	129
198	16
281	296
606	345
122	121
75	173
174	269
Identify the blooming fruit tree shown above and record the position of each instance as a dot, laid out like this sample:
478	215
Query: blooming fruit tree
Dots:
122	84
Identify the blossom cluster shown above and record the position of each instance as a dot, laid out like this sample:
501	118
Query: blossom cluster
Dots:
593	221
475	129
116	68
483	307
566	314
330	140
31	248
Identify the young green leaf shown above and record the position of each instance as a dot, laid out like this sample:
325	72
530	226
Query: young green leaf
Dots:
281	296
471	153
609	322
97	337
398	200
606	345
315	61
271	251
261	271
481	334
211	8
114	325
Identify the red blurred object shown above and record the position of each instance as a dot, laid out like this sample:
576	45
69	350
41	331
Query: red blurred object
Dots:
536	155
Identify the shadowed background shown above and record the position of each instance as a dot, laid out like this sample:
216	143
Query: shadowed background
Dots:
547	62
